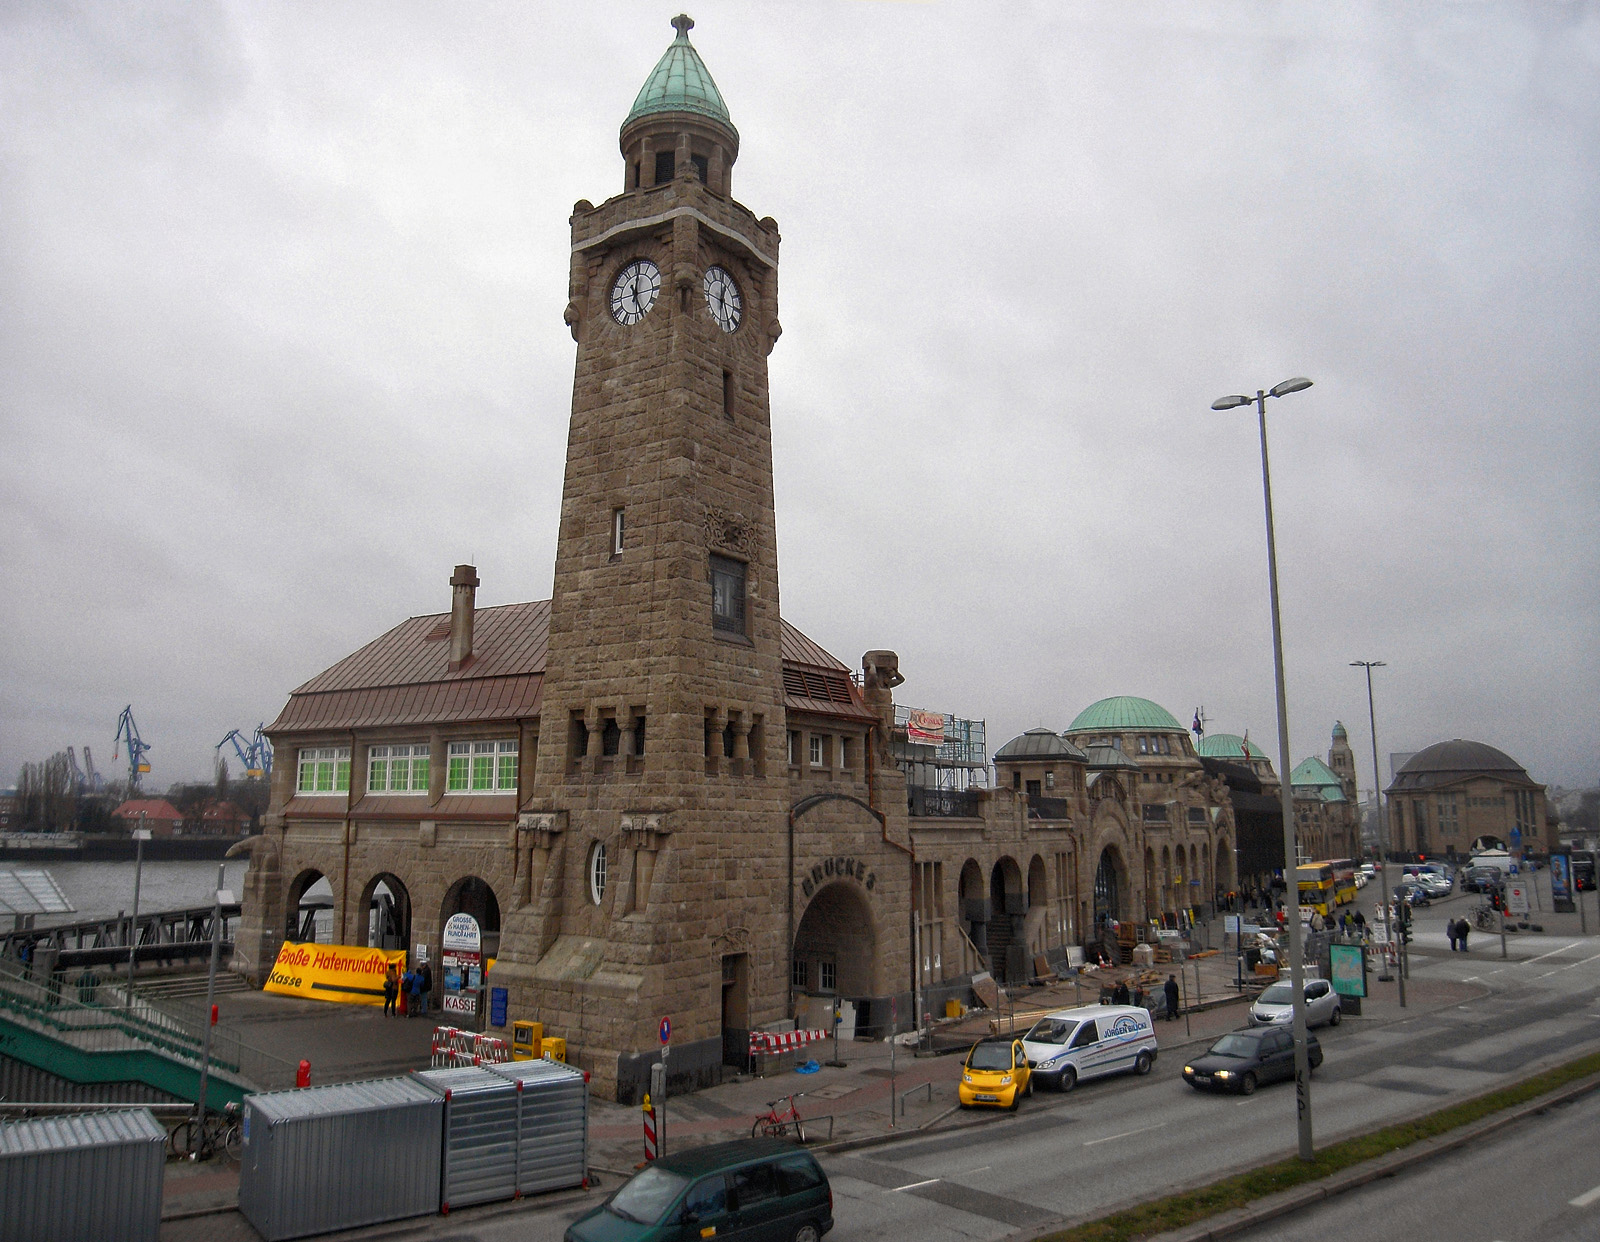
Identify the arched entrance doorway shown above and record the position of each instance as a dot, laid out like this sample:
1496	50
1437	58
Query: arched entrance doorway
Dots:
1224	871
1108	883
835	948
470	895
308	911
388	908
1008	910
974	916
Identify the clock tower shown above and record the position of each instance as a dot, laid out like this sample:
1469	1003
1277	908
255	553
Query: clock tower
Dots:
657	832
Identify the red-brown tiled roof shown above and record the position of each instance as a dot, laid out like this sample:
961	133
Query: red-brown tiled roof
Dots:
404	676
148	808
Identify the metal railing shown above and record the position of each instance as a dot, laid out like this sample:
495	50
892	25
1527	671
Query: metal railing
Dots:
943	803
1043	806
101	1018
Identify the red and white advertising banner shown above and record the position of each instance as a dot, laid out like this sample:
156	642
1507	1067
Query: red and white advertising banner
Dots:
925	728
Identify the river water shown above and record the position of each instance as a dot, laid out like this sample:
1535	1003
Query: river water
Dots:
104	889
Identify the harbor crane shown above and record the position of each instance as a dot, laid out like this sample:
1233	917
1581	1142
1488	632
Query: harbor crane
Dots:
255	753
128	731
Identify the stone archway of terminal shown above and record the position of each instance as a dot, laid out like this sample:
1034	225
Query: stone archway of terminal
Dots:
1224	877
387	904
308	909
473	895
1008	911
835	952
1038	919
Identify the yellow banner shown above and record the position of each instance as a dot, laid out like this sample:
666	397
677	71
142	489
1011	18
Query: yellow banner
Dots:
333	972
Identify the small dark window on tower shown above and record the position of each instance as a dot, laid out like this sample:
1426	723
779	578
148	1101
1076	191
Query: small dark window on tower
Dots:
727	741
616	533
610	737
701	168
727	594
727	393
638	735
633	175
664	167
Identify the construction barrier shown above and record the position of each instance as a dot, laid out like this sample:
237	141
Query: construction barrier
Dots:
649	1129
766	1043
454	1047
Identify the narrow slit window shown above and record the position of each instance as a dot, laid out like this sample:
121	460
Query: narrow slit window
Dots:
616	533
664	166
727	595
727	395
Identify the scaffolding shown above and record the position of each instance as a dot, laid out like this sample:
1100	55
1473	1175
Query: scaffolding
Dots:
959	762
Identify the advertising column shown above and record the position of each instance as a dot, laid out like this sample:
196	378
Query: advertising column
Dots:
461	964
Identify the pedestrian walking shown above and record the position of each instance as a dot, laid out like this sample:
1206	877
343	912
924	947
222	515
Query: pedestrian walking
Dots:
414	991
427	987
1171	989
1462	928
1450	931
391	988
1360	921
1120	994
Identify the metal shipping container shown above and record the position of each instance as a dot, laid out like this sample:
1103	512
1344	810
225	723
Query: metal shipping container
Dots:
553	1124
334	1157
480	1135
82	1178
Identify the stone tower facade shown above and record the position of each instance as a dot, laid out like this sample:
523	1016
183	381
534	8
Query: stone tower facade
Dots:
1343	762
662	707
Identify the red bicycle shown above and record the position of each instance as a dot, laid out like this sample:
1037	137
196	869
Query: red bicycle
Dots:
776	1122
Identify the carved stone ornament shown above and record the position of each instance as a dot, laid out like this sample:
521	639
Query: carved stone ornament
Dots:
545	827
645	830
728	532
734	940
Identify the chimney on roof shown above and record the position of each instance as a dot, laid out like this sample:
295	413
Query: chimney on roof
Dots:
463	601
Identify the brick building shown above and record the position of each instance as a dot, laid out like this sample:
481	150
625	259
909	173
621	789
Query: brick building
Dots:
1452	794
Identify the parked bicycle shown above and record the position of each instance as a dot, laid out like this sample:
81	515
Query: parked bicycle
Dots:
1485	917
222	1132
776	1122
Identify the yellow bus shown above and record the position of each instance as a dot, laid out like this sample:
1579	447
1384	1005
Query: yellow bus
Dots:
1325	886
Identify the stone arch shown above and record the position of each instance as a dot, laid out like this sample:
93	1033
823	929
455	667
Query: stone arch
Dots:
384	921
1224	878
473	895
308	909
1169	880
837	942
1007	931
1112	898
1149	883
1038	904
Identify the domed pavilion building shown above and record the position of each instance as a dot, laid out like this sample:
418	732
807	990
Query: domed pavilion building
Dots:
1453	793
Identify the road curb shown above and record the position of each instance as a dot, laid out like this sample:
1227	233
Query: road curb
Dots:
1284	1203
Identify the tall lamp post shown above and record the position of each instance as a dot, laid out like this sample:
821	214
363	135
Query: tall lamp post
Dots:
1291	854
1383	826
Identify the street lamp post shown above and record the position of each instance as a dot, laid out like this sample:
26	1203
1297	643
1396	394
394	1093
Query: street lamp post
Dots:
1383	826
1291	853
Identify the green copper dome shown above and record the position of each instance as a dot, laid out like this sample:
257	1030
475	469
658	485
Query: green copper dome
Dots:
680	82
1314	774
1125	712
1228	746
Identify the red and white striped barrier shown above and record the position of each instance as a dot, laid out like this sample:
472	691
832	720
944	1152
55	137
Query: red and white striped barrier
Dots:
765	1043
649	1129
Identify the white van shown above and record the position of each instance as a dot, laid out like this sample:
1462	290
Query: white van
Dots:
1070	1045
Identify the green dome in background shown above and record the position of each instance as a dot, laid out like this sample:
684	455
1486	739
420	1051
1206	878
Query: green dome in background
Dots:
1125	712
680	82
1228	746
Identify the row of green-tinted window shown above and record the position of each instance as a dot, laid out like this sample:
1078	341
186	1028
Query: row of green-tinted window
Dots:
473	767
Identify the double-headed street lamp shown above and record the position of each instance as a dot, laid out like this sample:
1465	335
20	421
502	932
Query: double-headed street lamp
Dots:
1291	854
1383	831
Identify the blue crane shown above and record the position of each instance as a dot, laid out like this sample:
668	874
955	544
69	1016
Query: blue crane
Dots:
128	732
255	753
96	782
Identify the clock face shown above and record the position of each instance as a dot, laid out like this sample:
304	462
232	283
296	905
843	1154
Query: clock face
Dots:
722	298
634	292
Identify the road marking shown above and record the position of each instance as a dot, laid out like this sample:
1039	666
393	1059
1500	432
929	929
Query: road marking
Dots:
1530	961
1125	1134
1585	1199
912	1185
1585	962
1469	979
983	1169
1242	1103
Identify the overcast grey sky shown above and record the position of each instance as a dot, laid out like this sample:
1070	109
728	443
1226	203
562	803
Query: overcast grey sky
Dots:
281	343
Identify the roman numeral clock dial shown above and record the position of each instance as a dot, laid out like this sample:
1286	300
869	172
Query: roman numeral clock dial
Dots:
634	292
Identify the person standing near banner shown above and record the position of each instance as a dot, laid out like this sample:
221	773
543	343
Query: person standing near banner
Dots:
391	986
427	987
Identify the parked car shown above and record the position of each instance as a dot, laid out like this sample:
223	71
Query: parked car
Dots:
1481	879
1070	1045
996	1072
1412	892
1434	884
1367	869
1241	1060
760	1188
1276	1005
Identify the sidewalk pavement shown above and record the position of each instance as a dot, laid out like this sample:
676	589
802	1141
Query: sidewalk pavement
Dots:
877	1095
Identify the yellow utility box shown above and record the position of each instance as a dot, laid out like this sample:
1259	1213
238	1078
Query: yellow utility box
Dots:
954	1008
555	1048
525	1040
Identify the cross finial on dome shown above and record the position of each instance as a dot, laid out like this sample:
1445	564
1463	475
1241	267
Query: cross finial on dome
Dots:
683	24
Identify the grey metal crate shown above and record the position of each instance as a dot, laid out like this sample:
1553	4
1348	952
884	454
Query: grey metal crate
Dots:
553	1129
82	1178
335	1157
480	1135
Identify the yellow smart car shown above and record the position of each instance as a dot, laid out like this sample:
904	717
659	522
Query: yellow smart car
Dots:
996	1072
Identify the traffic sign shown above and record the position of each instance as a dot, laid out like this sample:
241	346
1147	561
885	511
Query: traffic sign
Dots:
666	1030
1517	899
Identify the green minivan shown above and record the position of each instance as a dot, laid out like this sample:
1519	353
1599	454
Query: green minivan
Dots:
752	1190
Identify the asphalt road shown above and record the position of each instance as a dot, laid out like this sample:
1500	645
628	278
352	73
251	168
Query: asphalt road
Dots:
1538	1181
1121	1141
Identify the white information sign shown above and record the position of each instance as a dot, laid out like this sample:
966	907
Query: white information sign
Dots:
1517	898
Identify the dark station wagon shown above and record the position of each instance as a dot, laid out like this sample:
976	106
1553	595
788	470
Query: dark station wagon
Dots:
760	1189
1242	1059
